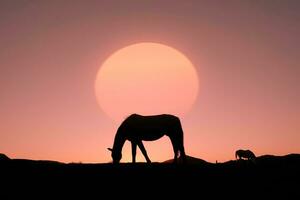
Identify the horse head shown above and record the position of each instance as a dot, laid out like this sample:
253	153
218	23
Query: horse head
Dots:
116	156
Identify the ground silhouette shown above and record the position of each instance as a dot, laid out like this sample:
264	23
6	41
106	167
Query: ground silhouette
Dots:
3	157
270	176
137	128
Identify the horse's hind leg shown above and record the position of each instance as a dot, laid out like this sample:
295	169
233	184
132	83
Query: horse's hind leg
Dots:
182	152
175	148
143	150
178	140
133	150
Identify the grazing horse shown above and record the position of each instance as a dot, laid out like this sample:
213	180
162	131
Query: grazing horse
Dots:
137	128
247	154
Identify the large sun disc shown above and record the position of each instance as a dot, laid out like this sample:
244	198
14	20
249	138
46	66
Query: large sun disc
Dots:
146	78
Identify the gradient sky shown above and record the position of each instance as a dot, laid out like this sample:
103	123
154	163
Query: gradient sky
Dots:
246	53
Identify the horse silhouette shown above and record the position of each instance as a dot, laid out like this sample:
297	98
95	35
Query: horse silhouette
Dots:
137	128
247	154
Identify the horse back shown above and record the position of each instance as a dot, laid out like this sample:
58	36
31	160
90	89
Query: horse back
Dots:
149	127
163	120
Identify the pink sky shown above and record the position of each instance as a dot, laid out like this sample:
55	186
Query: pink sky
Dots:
246	54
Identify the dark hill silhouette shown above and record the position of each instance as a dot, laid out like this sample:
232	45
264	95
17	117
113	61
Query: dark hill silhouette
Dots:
190	161
271	160
3	157
270	176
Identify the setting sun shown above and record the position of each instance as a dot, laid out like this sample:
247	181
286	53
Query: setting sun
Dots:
146	78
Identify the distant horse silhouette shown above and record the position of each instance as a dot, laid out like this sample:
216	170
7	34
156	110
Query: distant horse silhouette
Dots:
247	154
137	128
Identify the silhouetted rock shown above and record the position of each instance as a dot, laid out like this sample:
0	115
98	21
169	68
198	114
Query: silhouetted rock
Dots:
3	157
190	160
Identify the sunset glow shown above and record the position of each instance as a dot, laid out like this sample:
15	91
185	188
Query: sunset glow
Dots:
71	71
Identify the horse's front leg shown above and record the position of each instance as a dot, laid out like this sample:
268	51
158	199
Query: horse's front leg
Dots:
133	150
143	150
